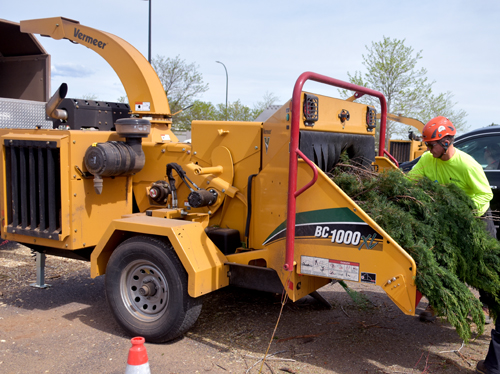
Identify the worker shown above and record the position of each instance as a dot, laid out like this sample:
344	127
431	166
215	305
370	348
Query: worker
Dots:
445	164
492	156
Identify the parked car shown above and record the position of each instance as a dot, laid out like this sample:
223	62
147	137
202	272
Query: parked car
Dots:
475	143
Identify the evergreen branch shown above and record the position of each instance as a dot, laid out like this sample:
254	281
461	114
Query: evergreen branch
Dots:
407	197
359	169
436	225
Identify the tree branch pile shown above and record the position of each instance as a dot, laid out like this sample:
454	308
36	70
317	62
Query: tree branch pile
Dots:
435	224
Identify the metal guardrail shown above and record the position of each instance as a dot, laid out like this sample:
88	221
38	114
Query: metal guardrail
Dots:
295	152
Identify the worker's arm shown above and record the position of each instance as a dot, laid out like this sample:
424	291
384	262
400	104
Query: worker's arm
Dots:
480	190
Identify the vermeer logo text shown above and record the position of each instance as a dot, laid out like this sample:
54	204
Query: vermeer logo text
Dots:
89	39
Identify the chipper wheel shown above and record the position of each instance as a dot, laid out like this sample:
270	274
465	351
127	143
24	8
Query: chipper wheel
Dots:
146	288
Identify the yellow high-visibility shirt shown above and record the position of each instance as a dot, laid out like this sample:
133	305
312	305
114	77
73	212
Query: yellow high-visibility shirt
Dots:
462	170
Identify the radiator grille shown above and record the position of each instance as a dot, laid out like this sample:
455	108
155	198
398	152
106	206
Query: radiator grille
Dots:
400	151
33	188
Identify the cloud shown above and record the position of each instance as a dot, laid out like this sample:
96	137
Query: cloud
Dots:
71	70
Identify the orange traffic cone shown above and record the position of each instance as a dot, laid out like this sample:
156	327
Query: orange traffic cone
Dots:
137	362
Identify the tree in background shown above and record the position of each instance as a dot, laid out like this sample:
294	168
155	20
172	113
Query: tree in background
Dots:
442	105
200	110
392	70
268	99
236	111
90	97
182	84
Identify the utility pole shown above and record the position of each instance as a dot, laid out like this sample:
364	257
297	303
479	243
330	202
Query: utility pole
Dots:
149	34
226	85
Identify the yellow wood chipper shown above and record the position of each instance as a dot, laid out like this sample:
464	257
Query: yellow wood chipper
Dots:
248	204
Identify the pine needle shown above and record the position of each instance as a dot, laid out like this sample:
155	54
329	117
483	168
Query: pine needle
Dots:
360	299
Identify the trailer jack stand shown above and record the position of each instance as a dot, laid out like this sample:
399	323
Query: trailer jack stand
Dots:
318	297
40	271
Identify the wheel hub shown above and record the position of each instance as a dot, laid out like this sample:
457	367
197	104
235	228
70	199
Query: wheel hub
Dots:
148	289
144	290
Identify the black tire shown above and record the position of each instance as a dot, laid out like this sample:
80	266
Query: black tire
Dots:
146	288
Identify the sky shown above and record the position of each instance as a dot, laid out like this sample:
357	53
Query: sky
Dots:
266	45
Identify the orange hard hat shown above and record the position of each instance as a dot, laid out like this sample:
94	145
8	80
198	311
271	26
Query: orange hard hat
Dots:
437	128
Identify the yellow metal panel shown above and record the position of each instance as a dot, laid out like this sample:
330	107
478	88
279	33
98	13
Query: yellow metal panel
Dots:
329	110
276	130
40	135
136	74
87	208
376	253
245	168
243	139
417	149
269	198
80	205
246	257
221	156
406	120
383	163
85	204
202	260
160	133
379	254
65	190
276	136
399	292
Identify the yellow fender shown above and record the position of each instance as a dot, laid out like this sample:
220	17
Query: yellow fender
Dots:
202	260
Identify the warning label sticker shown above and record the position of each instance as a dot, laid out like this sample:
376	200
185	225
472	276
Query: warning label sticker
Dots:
369	278
329	268
143	106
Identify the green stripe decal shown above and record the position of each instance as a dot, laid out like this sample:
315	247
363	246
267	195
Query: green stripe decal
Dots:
331	216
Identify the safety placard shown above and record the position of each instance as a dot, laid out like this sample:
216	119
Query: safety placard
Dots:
143	106
329	268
